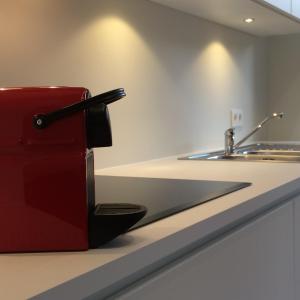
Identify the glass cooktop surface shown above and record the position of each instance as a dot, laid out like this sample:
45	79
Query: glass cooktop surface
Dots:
162	197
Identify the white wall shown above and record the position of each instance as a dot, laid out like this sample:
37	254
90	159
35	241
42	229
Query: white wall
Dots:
182	74
284	86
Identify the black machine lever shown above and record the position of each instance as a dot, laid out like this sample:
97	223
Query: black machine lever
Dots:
41	121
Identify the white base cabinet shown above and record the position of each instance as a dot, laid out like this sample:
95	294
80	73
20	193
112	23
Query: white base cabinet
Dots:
297	246
255	262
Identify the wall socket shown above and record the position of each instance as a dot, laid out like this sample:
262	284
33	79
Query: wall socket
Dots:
236	117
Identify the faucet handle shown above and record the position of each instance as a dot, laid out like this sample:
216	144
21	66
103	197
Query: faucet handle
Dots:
229	132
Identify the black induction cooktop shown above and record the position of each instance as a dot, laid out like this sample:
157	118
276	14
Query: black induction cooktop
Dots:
162	197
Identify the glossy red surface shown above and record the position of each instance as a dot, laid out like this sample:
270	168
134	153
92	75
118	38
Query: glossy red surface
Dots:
43	205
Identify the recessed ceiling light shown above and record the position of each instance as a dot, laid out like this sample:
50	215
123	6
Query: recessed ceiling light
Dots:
249	20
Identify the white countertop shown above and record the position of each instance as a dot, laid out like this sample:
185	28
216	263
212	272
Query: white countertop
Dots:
25	275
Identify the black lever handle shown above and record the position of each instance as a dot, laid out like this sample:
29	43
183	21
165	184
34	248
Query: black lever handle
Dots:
41	121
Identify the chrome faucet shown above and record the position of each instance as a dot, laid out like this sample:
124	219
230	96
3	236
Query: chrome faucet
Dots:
230	146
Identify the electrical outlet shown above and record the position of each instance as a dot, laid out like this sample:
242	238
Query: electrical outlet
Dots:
237	117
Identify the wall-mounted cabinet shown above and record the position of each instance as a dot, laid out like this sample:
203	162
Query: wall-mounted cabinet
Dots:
296	8
272	17
289	7
285	5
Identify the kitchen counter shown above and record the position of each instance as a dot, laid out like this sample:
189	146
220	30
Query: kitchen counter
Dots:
75	275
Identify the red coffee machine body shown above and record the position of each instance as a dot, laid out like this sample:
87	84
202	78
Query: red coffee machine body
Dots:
47	192
43	193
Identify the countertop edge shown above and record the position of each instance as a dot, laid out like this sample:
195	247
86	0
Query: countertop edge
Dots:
117	274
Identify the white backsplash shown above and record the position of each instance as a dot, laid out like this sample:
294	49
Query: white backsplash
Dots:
182	74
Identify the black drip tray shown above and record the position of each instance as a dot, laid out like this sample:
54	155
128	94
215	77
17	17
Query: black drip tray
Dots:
117	209
161	197
109	220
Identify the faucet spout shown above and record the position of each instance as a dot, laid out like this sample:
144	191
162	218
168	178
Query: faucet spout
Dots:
230	147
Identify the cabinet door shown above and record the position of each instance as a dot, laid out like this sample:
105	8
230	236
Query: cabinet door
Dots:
282	4
253	263
297	246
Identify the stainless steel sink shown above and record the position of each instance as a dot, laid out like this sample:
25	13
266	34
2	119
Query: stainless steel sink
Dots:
255	152
272	147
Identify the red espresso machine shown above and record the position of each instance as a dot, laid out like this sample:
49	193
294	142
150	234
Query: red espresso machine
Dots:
47	193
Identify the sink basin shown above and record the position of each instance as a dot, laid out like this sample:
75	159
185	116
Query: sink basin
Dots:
271	148
255	152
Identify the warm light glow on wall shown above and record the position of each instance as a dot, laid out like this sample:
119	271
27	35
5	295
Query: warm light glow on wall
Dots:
115	29
116	35
113	37
218	69
217	56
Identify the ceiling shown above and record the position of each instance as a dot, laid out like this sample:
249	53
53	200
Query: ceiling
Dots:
231	13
